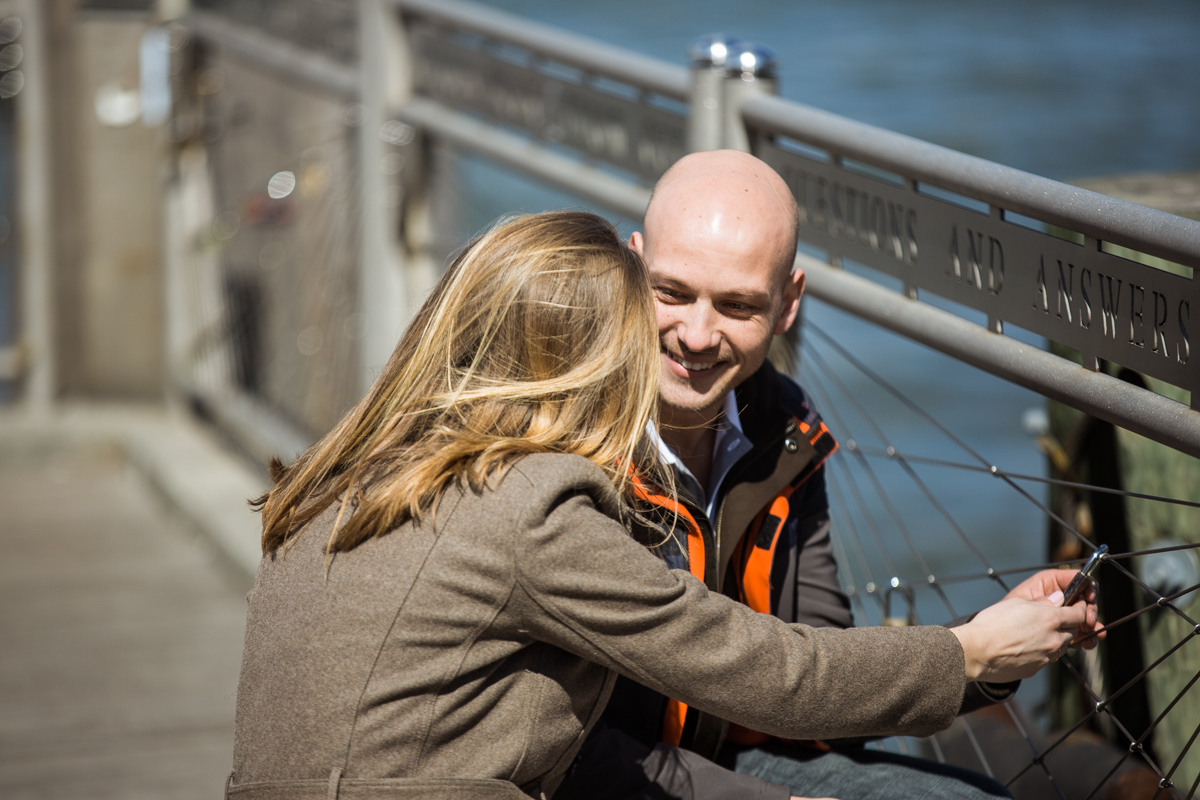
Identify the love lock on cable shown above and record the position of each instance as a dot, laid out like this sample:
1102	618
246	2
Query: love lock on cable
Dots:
899	622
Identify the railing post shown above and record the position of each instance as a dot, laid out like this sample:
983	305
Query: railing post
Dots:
706	114
751	70
385	83
35	235
726	71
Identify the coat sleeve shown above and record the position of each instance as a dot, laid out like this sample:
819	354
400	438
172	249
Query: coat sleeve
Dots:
614	766
817	594
588	588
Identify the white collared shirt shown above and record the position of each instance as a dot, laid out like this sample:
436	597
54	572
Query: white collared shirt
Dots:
730	445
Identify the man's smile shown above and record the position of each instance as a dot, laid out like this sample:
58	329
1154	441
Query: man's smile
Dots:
689	366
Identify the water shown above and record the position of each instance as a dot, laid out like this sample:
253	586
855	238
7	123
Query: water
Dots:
1068	90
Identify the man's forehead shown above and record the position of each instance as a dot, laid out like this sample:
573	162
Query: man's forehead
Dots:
749	279
734	245
720	226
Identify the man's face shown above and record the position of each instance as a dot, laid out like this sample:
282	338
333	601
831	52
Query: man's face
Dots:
718	303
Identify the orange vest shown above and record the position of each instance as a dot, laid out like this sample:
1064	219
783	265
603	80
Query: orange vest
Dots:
751	564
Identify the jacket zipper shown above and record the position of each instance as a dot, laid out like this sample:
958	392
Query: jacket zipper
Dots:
717	538
756	453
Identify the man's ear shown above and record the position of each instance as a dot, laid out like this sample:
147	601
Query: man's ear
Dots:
636	244
792	290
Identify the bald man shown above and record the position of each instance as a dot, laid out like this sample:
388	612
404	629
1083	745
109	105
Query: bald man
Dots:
748	450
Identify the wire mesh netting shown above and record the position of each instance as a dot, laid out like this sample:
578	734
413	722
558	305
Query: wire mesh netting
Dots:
1116	721
276	264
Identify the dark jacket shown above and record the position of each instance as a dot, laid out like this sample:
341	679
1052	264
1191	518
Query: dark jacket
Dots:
768	546
469	656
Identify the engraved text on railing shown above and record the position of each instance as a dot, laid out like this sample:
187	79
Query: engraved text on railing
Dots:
1106	306
633	136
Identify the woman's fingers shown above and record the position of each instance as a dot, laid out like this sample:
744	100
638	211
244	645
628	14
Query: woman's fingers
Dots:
1091	631
1028	629
1088	633
1017	637
1042	584
1049	584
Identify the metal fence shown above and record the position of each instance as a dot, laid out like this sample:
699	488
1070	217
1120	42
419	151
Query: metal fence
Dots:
290	155
968	230
1110	280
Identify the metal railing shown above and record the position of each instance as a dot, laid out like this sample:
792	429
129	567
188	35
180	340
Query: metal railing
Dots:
603	123
960	227
326	28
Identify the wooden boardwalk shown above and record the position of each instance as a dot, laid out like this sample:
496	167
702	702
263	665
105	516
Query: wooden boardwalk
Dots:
121	632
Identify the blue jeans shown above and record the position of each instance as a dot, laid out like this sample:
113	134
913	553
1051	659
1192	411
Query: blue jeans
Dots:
863	774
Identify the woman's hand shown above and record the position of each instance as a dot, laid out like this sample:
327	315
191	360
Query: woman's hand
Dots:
1049	581
1026	630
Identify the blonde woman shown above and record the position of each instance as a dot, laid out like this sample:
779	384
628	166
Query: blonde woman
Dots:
449	583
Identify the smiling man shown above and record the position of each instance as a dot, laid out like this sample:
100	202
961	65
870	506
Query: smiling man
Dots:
720	241
748	450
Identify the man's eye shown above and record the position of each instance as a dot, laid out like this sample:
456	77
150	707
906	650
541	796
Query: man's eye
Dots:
668	295
740	309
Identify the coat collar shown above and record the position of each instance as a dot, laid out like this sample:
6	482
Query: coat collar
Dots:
770	466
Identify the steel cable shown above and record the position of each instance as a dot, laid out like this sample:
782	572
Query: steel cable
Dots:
1100	706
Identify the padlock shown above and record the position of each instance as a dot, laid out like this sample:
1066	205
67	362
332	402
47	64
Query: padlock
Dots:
899	622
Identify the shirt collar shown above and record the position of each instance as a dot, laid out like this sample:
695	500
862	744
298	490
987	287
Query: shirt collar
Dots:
732	420
729	446
729	420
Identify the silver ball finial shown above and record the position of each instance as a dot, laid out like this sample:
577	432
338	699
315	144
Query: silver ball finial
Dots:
714	50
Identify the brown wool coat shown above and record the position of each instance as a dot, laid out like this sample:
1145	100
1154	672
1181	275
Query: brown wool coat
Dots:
469	658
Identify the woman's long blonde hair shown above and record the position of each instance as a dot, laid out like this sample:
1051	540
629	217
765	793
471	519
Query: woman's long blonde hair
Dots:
539	338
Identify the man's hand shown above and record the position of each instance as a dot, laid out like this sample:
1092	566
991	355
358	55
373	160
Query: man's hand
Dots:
1019	635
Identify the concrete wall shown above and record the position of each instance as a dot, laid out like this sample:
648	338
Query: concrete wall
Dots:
120	192
106	194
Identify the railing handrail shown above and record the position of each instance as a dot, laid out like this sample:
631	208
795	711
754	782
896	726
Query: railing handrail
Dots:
1099	216
1105	218
507	148
590	55
1095	393
282	57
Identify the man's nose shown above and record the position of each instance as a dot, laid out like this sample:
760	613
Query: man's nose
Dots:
697	330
